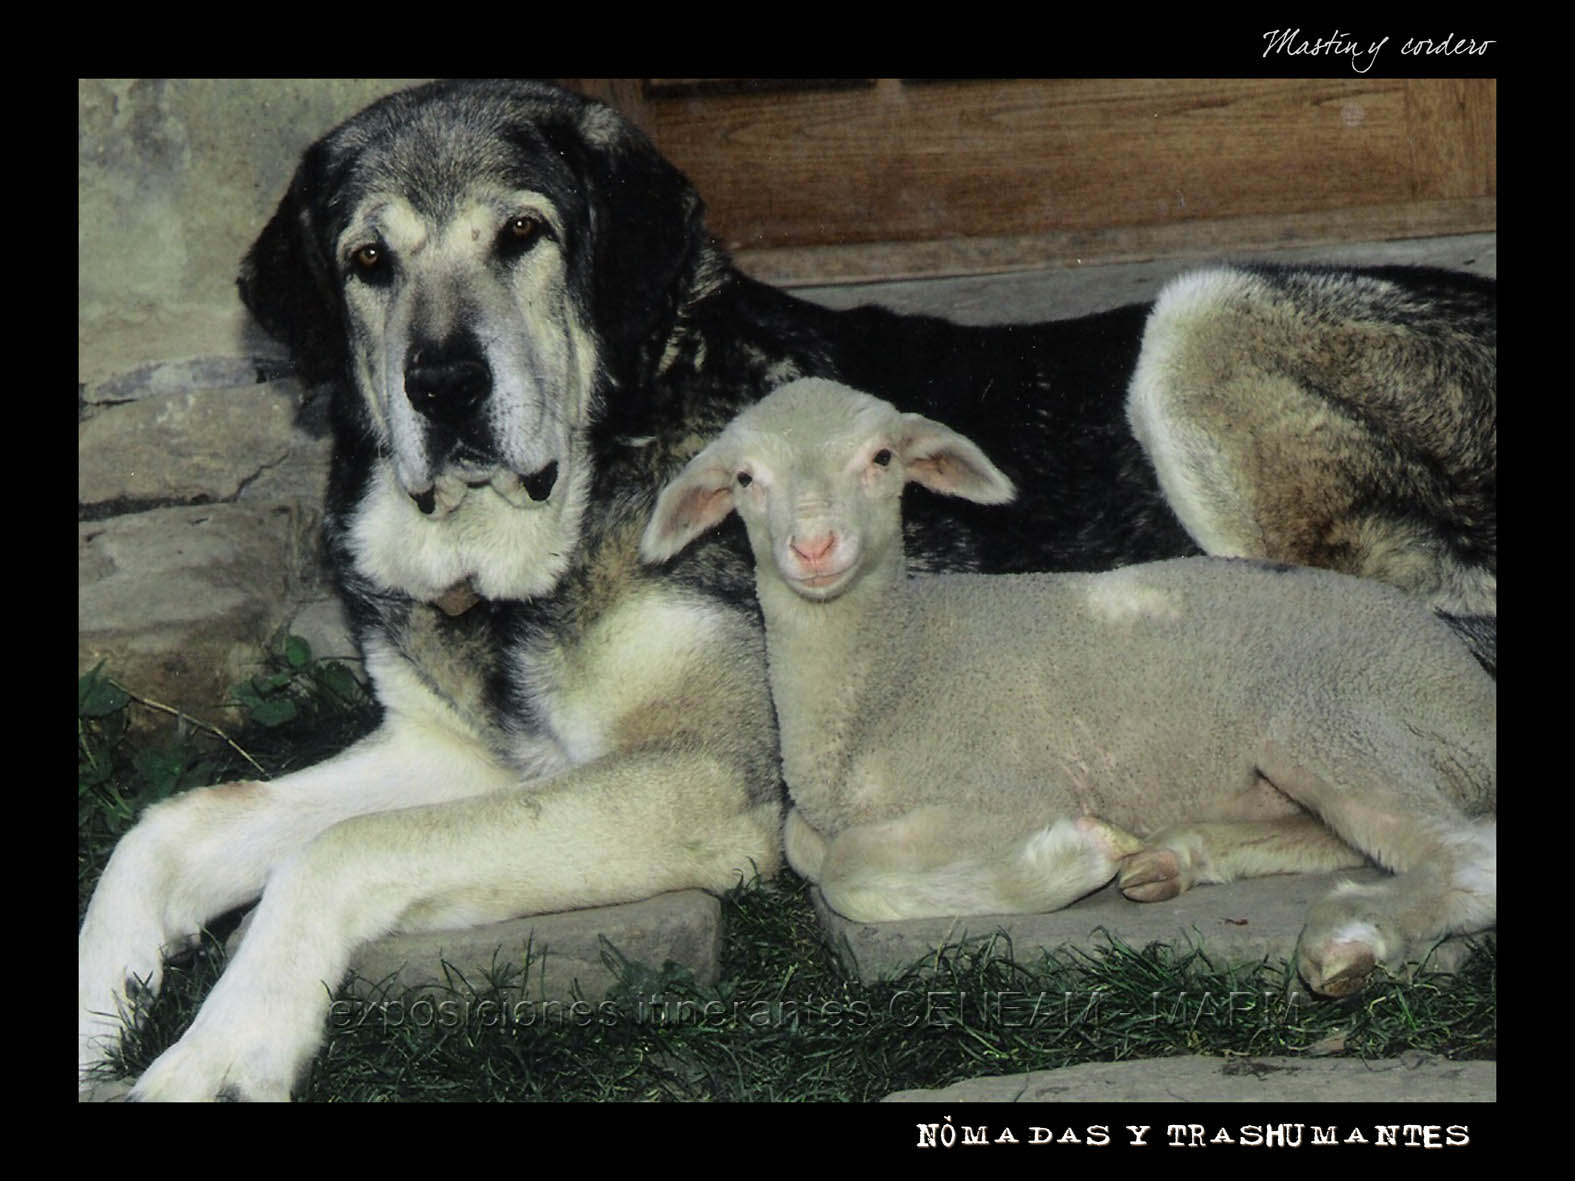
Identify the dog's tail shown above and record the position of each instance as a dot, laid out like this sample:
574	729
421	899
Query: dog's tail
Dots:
1480	634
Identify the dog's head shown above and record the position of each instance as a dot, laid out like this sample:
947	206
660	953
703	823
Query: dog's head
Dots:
478	266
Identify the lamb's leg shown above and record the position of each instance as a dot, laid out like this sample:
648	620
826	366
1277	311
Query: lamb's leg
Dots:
1177	858
935	863
804	845
1445	883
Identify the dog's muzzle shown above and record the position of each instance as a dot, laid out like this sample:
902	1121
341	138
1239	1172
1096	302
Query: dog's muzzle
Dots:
506	484
448	383
539	486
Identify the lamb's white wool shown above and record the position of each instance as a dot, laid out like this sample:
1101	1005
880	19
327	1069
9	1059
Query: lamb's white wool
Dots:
1121	596
965	744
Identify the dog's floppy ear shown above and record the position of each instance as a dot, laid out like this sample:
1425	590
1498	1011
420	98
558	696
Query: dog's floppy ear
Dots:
648	230
286	279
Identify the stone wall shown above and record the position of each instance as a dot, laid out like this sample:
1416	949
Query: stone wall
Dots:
200	464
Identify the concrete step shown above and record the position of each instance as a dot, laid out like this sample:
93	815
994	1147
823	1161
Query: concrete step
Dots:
1414	1077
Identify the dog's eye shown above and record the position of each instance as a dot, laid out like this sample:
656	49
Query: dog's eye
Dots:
745	479
882	457
371	262
521	233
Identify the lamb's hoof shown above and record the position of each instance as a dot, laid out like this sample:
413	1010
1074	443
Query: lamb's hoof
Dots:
1152	876
1341	970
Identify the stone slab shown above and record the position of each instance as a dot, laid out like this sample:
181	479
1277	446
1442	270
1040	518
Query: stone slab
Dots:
1414	1077
1056	293
184	446
562	954
1238	922
181	603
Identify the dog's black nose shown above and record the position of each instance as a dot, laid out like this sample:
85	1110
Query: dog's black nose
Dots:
539	486
446	382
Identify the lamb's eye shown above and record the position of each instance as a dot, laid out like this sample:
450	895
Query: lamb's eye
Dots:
883	456
745	479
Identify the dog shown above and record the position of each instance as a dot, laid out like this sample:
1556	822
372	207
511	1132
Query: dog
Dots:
527	330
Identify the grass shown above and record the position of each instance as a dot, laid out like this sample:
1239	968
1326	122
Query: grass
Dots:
785	1022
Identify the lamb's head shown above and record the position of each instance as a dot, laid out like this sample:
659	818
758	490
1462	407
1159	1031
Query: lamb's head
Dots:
816	471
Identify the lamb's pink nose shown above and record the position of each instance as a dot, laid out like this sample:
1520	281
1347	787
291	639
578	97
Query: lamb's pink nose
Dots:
813	551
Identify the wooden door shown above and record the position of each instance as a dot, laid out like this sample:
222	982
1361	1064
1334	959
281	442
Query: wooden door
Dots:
815	180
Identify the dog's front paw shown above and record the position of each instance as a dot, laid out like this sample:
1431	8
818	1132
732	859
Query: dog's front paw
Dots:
188	1073
175	1077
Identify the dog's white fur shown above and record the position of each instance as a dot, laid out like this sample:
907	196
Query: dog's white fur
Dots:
505	551
387	836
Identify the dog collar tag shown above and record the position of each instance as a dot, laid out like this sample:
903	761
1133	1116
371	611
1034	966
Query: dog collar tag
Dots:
458	599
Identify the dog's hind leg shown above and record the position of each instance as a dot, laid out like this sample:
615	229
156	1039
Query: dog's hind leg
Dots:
1328	420
203	853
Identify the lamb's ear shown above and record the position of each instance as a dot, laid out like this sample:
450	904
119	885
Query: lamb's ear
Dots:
698	498
944	461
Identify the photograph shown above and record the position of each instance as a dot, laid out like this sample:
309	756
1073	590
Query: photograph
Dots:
966	594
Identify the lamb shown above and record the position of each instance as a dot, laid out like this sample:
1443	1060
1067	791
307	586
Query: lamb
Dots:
969	744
